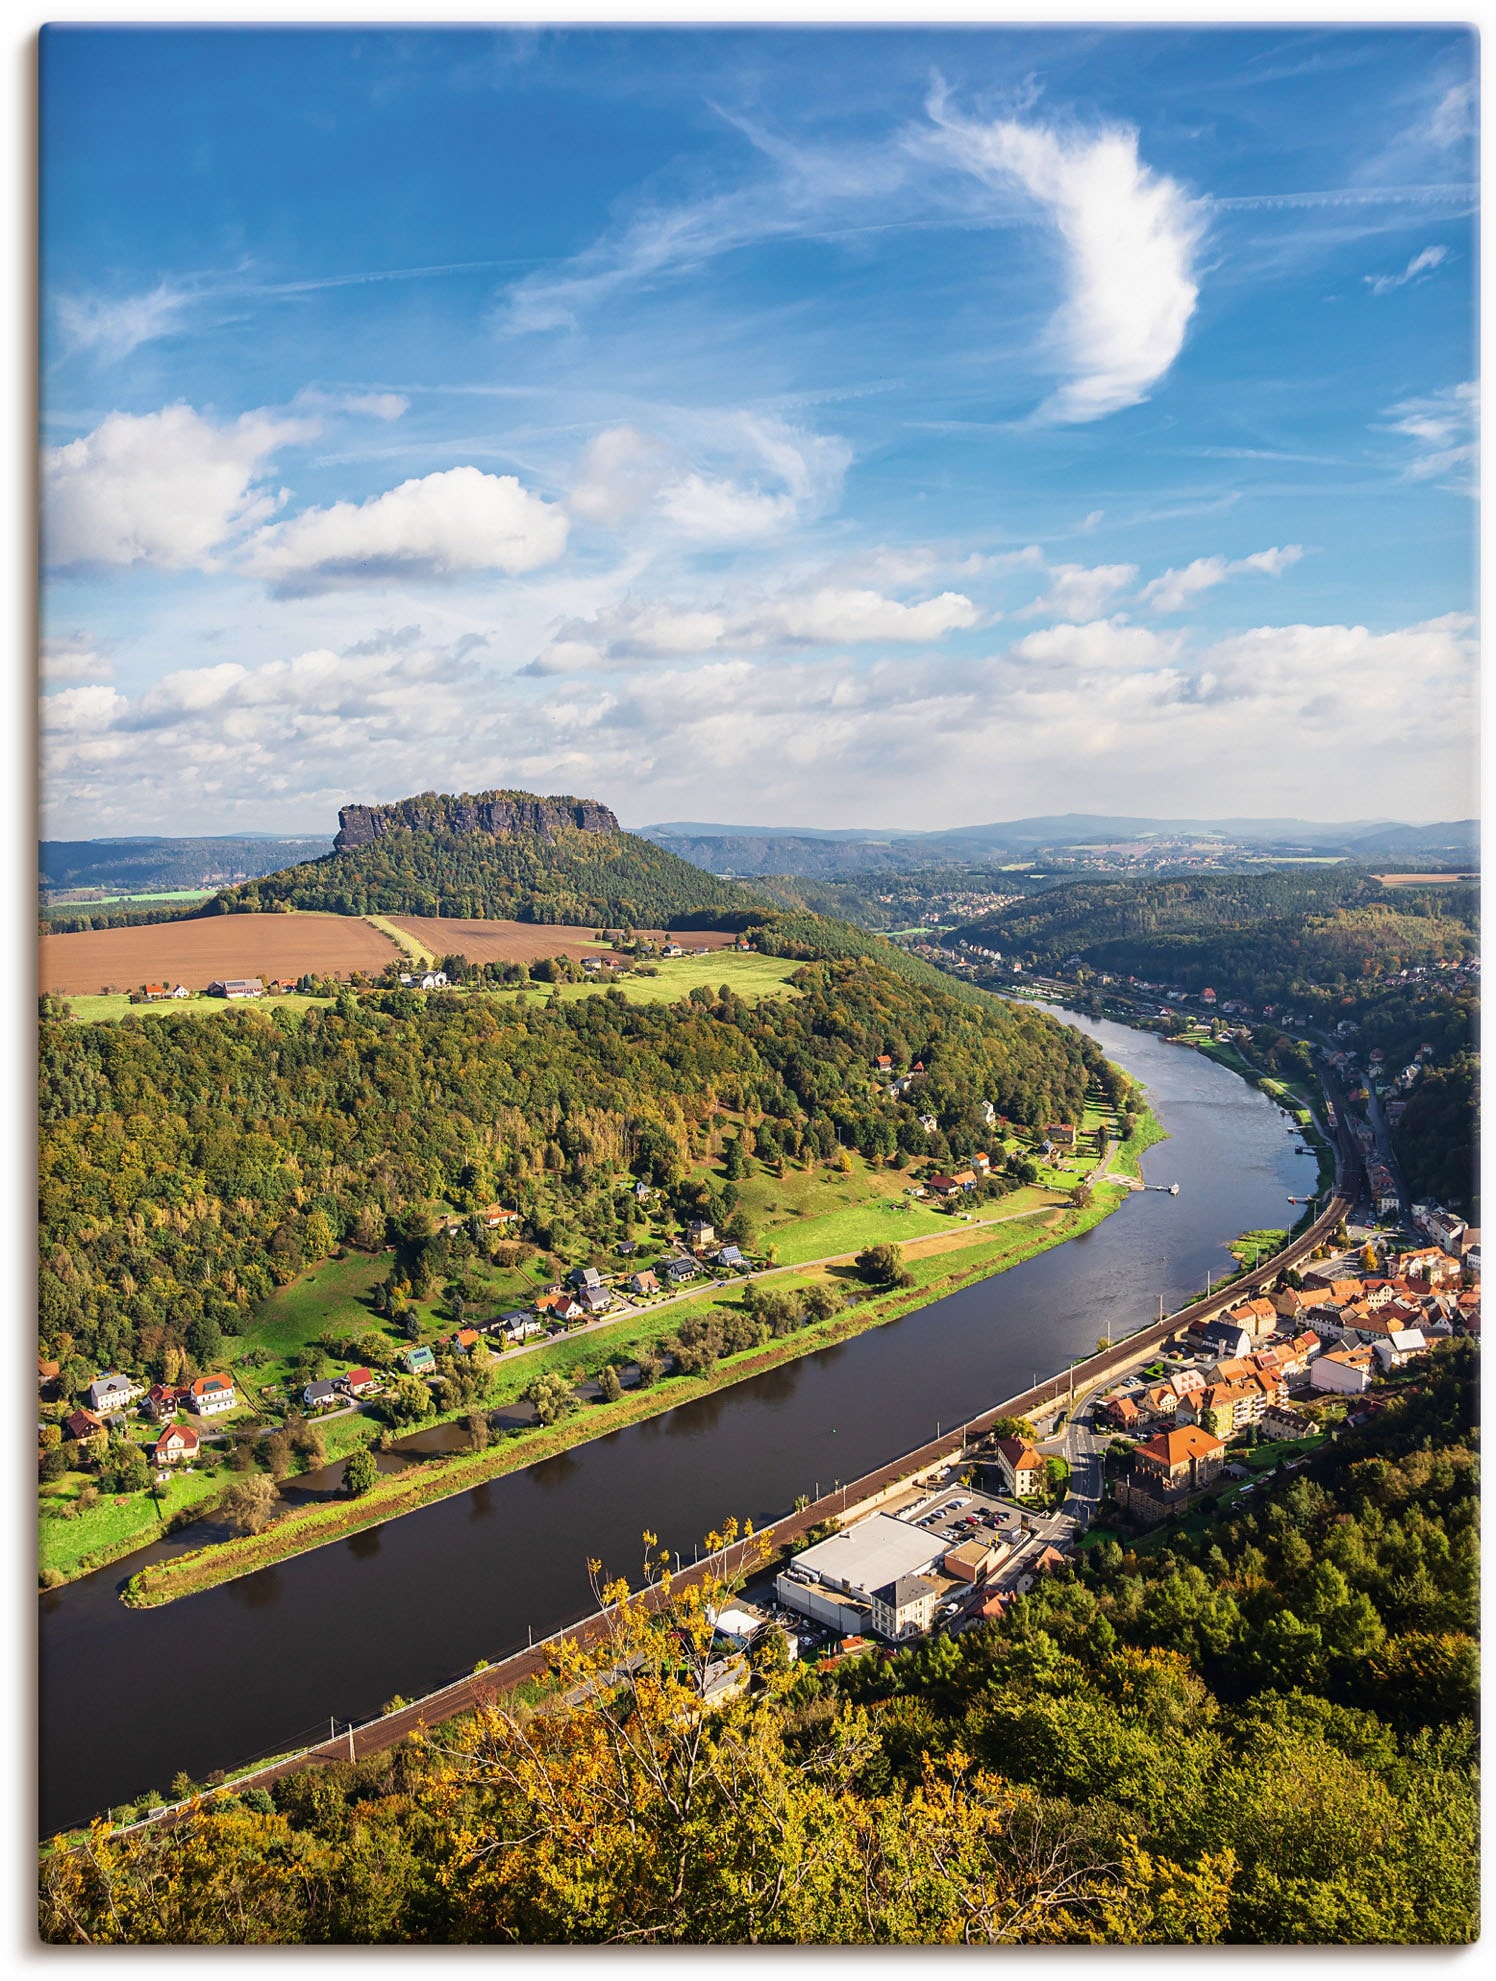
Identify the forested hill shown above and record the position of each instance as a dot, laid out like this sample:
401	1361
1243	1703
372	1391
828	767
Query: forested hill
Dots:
504	855
1254	934
189	1168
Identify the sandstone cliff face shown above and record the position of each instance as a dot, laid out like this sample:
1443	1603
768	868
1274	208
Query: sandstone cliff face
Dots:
488	812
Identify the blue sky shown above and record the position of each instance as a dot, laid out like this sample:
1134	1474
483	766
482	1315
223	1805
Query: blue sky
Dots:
860	427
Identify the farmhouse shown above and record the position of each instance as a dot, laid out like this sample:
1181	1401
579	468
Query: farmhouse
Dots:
232	987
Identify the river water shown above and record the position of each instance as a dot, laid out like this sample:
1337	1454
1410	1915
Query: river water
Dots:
128	1697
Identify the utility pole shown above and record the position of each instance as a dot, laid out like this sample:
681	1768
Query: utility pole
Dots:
351	1755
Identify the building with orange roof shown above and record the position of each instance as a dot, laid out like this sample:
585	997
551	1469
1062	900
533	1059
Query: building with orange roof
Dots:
1168	1469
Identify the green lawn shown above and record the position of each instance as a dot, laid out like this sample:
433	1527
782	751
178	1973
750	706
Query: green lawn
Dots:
852	1228
115	1524
751	976
106	1010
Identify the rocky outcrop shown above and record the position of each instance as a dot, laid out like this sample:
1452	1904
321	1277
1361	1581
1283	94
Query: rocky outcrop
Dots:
490	812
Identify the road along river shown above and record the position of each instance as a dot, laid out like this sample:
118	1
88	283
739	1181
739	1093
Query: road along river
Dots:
128	1697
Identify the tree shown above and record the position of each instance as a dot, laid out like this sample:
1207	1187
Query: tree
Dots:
406	1401
250	1504
552	1396
359	1472
612	1388
883	1265
478	1429
204	1340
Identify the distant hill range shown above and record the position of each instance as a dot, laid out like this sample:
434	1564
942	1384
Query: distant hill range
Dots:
166	866
753	850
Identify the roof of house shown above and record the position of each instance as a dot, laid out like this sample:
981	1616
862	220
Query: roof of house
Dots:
359	1376
905	1589
177	1434
1020	1455
1177	1447
212	1385
320	1392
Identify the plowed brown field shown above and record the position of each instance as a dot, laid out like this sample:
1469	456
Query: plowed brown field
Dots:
194	953
527	942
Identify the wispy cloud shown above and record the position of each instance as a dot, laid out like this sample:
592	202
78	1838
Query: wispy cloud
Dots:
1423	263
1176	589
1442	428
116	326
1131	237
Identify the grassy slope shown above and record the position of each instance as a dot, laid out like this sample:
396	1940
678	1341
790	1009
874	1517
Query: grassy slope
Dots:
421	1485
751	976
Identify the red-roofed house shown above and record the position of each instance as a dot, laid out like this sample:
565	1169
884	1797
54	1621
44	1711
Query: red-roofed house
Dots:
357	1381
176	1442
1023	1471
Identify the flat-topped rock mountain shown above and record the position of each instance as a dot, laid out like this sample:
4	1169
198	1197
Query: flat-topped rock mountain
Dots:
490	812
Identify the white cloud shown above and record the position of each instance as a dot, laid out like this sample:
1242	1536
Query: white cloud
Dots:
1453	119
1442	428
620	474
441	525
1174	590
1131	238
1423	263
724	511
165	489
116	326
1079	591
725	477
378	405
81	710
73	657
1102	645
1247	725
623	635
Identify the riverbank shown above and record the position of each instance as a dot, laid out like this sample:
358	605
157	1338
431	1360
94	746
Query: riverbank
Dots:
523	1673
939	1266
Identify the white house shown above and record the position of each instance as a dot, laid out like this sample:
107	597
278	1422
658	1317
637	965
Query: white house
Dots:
1024	1472
111	1392
1346	1371
904	1607
210	1396
1399	1348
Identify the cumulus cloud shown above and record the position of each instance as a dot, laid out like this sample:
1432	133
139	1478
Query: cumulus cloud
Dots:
1102	645
1243	725
1442	428
1131	238
441	525
828	615
165	489
620	473
1423	263
1079	591
1174	590
73	657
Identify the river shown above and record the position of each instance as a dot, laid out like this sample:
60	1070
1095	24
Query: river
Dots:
128	1697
